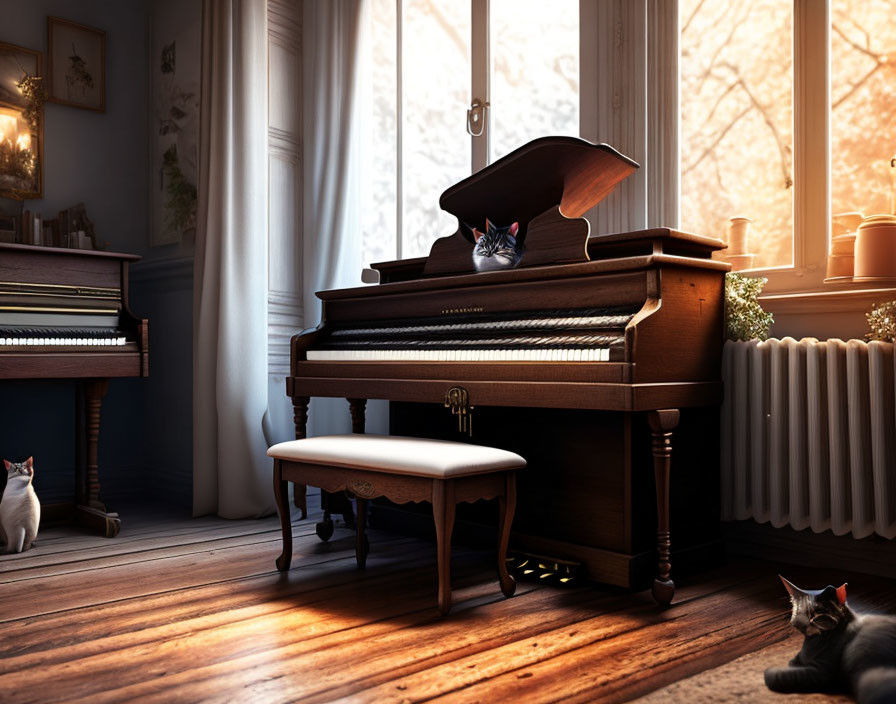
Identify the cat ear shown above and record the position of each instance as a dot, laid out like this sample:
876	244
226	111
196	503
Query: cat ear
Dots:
841	593
476	234
514	228
7	464
29	463
792	589
488	225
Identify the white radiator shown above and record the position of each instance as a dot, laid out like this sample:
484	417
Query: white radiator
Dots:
809	435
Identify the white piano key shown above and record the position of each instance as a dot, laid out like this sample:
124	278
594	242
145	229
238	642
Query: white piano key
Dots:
592	354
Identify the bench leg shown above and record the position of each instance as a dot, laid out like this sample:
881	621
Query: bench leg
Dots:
281	494
362	545
506	508
443	507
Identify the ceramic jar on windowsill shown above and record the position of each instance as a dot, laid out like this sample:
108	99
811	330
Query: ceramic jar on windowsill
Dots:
738	239
875	250
843	237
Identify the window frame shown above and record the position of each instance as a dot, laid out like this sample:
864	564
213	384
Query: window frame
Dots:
480	89
811	158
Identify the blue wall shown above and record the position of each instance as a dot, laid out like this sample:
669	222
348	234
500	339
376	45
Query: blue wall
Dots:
102	160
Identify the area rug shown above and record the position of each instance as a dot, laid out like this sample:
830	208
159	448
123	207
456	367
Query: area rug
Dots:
740	682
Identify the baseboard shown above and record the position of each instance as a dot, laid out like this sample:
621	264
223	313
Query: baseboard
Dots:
872	555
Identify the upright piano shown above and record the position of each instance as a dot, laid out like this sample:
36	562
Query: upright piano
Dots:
583	357
64	315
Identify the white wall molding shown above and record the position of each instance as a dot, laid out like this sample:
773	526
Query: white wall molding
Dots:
614	95
629	99
663	114
284	180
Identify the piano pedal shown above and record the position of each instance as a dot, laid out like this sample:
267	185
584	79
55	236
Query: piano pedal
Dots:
541	568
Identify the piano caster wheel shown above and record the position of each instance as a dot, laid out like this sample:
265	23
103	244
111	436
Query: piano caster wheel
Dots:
324	529
663	591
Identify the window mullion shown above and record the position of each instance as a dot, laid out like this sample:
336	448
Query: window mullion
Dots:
399	126
812	105
479	83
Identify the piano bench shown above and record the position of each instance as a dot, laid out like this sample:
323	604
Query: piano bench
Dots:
401	469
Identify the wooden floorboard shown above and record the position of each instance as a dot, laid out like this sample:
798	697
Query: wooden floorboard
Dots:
184	610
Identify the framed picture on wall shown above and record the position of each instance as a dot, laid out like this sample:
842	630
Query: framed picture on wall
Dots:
21	123
76	58
175	59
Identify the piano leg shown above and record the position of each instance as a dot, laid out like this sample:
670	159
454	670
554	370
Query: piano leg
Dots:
90	510
662	423
339	502
300	418
358	409
362	545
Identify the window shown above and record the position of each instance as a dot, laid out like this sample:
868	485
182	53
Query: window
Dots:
736	122
863	106
534	72
788	115
424	62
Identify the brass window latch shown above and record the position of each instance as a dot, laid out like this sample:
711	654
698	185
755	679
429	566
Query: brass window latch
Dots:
476	114
458	400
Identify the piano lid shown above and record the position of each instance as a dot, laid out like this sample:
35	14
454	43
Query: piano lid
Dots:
549	171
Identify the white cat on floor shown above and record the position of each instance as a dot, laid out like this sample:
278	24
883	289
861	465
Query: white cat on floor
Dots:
19	507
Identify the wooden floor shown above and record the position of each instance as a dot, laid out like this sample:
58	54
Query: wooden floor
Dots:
181	610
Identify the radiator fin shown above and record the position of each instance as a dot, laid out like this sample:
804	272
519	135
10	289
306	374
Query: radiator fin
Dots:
809	435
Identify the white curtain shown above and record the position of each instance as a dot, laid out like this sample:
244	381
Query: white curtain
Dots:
332	40
231	474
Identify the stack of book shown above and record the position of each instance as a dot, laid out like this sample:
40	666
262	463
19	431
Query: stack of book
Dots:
71	229
8	228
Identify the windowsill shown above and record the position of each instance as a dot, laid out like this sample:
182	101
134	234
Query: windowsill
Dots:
836	310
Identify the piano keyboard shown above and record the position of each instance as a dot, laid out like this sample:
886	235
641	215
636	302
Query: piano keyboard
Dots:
583	335
61	337
556	354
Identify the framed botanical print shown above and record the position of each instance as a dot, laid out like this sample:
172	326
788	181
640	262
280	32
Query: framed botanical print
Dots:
76	56
21	123
175	60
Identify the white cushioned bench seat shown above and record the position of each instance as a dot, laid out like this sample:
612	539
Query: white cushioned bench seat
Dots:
393	454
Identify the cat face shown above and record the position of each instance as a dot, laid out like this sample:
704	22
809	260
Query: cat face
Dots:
815	611
19	469
497	248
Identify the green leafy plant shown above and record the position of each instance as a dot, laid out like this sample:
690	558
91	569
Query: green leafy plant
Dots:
882	321
181	204
744	317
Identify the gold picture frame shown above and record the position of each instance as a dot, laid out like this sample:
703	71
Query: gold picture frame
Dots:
76	64
21	125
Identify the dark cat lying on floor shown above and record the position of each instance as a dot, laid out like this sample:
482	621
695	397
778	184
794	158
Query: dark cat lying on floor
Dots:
842	650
